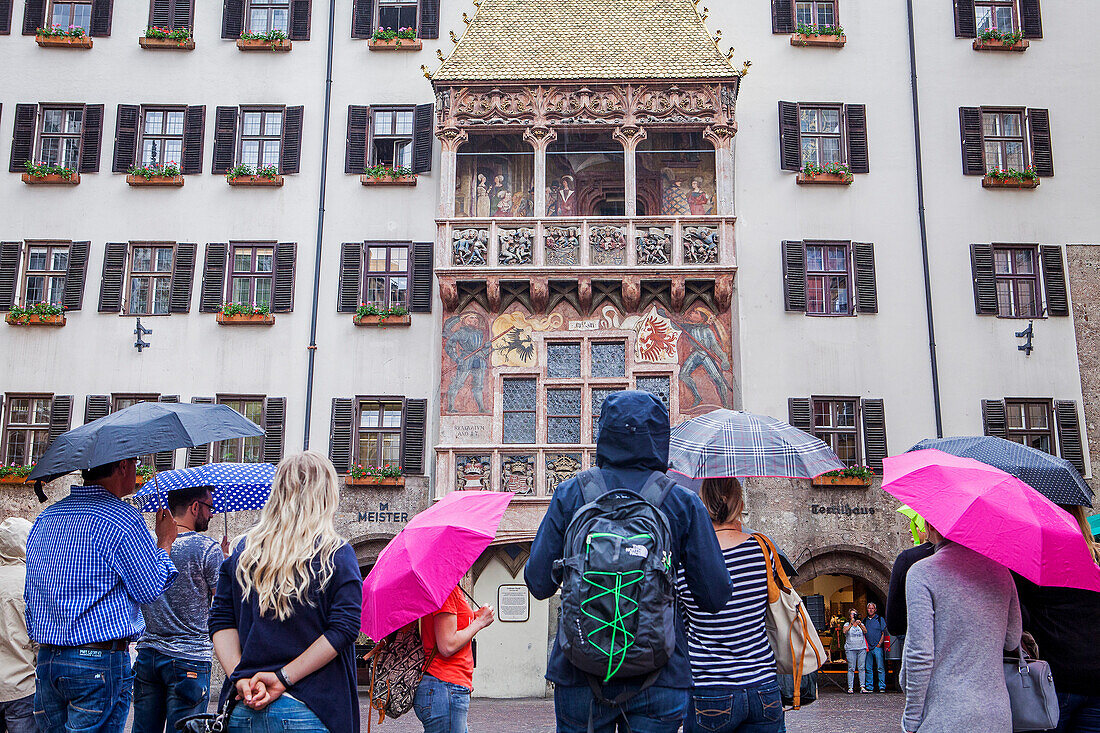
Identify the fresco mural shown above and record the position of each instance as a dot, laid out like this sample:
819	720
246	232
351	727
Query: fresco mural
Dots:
466	346
495	177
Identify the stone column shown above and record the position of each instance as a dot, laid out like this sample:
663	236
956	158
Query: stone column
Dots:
630	136
452	139
540	138
721	136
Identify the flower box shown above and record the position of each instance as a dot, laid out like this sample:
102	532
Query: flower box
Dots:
262	44
824	179
170	44
390	481
824	41
63	41
256	181
56	321
395	44
154	180
387	180
993	182
140	480
52	179
992	44
13	480
383	321
840	481
246	319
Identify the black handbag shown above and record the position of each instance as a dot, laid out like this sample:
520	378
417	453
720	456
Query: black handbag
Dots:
808	693
207	722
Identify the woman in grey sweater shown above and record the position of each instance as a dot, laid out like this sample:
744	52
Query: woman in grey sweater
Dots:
963	615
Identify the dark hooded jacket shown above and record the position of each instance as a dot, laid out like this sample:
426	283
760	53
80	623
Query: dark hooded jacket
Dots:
633	442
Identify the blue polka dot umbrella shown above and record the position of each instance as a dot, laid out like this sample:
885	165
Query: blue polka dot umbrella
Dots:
235	487
1053	477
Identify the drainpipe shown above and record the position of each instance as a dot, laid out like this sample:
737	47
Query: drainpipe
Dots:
923	226
320	226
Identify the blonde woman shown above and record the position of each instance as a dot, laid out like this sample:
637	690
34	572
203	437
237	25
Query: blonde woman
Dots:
287	610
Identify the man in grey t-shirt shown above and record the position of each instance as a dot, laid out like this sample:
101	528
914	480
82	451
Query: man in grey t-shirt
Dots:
172	672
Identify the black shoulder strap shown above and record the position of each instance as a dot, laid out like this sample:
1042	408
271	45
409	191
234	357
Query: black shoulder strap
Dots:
592	484
656	488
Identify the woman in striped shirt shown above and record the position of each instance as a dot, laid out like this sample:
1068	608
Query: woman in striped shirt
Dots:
732	666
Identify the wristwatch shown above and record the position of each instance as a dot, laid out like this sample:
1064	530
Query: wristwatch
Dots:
281	676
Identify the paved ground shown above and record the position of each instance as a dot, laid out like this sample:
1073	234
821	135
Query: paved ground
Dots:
832	713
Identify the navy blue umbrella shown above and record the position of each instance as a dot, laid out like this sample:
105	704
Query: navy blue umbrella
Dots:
147	427
1053	477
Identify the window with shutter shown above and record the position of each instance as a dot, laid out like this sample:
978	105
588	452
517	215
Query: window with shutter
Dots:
96	406
282	297
790	154
836	422
993	418
10	254
183	14
1042	154
166	460
985	280
5	16
160	13
102	10
274	429
782	16
248	449
34	16
291	154
970	126
800	413
183	277
386	280
863	258
61	416
828	278
91	137
351	263
429	19
1031	19
200	454
1069	434
114	270
45	273
225	132
856	120
966	24
22	143
232	22
213	278
1054	281
416	424
355	156
794	276
422	138
423	262
29	426
339	449
362	19
874	434
76	273
301	12
126	133
194	133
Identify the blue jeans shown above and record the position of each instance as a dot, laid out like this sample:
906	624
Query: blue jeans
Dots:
655	710
857	662
285	714
876	659
1078	713
17	716
735	709
167	689
82	689
441	706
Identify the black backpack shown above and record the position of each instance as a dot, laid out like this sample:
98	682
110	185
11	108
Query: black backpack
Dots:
617	581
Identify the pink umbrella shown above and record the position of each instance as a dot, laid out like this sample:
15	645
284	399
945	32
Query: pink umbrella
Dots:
995	514
420	567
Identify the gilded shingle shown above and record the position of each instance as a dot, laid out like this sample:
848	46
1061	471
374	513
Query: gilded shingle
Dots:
585	39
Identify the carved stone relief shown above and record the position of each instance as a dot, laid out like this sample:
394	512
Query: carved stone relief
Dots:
470	247
654	247
700	245
516	246
517	474
607	245
559	467
473	473
563	246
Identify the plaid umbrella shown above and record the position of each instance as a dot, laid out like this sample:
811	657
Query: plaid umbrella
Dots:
724	443
1053	477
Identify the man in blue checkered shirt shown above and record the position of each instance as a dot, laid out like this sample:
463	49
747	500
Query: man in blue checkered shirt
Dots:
91	563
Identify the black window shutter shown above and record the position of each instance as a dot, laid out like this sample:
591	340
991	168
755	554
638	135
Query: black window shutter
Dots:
339	444
183	278
225	136
1042	155
181	14
194	134
61	415
782	16
212	294
1054	280
422	138
75	276
362	18
794	277
160	13
114	269
282	290
874	434
429	19
34	16
423	266
274	428
790	149
5	17
966	22
1069	433
355	156
985	281
993	418
301	11
10	254
1031	19
800	413
412	441
126	130
856	116
96	406
232	20
166	459
22	141
351	262
290	154
101	17
863	259
973	154
91	138
200	454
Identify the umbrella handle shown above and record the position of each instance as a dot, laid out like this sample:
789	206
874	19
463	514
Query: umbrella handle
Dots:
156	490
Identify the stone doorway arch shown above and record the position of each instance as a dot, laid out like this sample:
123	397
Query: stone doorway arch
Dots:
368	546
852	560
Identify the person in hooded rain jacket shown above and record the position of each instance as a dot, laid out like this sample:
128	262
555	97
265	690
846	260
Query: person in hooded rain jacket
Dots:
632	443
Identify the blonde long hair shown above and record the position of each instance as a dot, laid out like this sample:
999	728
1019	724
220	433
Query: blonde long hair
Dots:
296	526
1078	513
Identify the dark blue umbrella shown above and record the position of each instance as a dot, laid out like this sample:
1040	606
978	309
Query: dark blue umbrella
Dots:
1053	477
147	427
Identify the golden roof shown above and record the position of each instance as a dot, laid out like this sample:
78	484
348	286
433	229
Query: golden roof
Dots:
527	40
